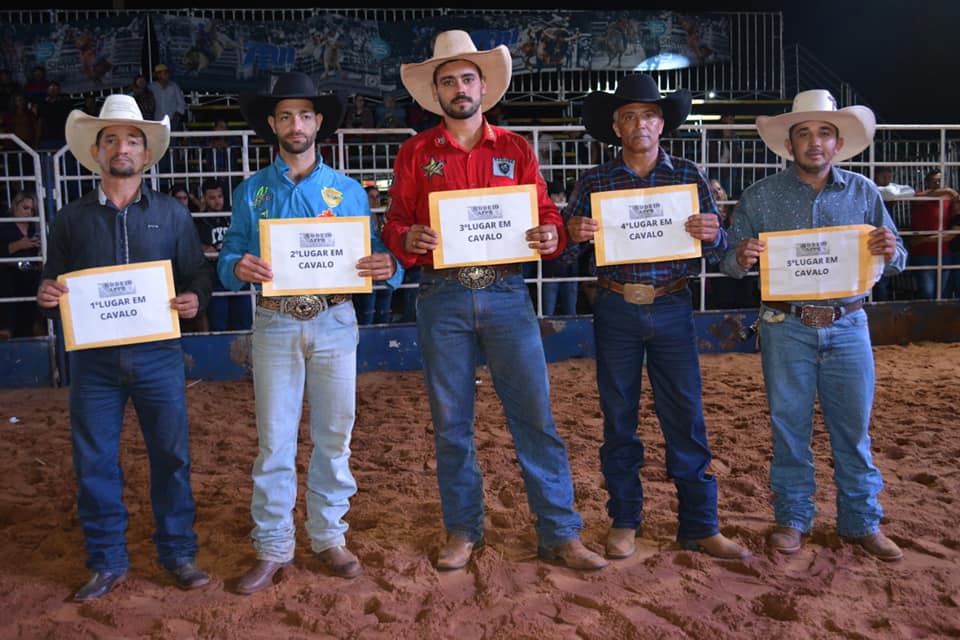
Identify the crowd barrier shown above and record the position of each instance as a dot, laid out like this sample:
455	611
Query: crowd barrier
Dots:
732	154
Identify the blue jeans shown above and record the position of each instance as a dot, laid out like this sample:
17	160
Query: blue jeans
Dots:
373	308
836	363
559	298
456	325
409	295
926	280
289	355
664	333
229	313
152	375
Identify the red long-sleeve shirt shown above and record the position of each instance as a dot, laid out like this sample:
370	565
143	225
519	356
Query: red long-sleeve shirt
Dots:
433	161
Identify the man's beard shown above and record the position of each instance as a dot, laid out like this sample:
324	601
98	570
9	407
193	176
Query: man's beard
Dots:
297	147
124	171
454	111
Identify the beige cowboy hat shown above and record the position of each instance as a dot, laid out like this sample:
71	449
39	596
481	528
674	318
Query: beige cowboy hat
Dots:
854	124
495	65
118	109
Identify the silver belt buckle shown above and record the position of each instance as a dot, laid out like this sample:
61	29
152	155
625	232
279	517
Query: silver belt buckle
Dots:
304	307
817	317
639	293
477	277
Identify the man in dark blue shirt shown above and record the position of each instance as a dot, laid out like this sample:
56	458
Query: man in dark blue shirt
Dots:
125	222
643	312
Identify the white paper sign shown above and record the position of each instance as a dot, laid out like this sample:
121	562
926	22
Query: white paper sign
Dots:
818	264
124	304
483	226
645	225
315	255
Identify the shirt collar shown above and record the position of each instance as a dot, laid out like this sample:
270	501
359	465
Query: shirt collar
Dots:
284	168
105	201
835	181
442	137
663	162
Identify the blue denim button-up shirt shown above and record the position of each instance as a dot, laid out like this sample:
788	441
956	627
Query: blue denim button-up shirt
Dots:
784	202
270	193
93	232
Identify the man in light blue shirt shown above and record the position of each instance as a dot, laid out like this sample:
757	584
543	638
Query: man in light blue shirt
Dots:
821	347
299	342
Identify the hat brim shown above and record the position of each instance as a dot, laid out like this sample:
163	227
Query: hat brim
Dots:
495	64
856	125
255	110
598	109
81	134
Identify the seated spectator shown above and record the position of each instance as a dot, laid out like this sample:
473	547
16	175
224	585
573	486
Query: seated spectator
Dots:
140	91
52	114
216	153
224	313
890	192
420	119
8	89
374	308
20	239
930	216
724	292
560	298
23	123
35	88
390	115
359	115
185	197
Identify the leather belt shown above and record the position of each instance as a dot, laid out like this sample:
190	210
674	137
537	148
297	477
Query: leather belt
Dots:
636	293
816	316
475	277
301	307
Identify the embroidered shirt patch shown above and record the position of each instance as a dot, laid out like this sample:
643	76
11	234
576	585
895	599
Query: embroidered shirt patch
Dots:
504	167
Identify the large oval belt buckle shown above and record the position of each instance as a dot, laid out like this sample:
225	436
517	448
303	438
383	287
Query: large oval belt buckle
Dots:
477	277
306	307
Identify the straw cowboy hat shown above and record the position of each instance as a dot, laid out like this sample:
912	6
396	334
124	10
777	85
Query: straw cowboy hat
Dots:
292	86
495	65
82	129
854	124
598	107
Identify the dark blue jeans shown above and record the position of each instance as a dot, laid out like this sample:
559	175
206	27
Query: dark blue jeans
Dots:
662	333
152	375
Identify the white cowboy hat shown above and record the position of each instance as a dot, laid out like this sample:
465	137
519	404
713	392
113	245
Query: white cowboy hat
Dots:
854	124
118	109
495	65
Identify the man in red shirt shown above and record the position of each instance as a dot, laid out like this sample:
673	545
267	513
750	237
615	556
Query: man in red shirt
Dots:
931	215
463	313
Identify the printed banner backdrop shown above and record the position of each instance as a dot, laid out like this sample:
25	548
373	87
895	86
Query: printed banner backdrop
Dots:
81	56
341	54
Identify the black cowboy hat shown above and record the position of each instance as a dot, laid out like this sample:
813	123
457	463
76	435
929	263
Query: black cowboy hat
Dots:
598	107
292	86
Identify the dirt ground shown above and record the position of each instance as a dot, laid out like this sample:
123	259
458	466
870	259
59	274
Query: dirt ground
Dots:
830	589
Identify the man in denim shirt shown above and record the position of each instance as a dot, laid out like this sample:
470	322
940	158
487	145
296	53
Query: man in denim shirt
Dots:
643	312
125	222
818	347
300	343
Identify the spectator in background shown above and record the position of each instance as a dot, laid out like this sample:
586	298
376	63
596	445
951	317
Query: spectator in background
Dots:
890	192
374	308
23	122
168	98
8	88
91	106
953	288
144	96
35	89
224	313
728	293
390	115
19	239
216	155
359	115
52	114
183	195
928	216
419	118
560	298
